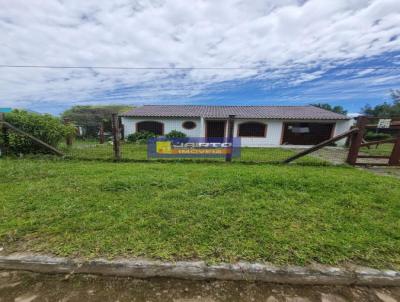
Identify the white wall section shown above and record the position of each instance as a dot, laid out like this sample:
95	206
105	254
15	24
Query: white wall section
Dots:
273	133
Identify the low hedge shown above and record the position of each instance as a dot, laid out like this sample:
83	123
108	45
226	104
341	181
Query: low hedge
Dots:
373	136
140	137
175	134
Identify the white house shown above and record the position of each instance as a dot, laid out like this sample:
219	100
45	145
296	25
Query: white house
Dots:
258	126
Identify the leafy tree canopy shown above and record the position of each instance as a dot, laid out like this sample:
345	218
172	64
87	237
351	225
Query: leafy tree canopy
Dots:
337	109
90	117
47	128
386	109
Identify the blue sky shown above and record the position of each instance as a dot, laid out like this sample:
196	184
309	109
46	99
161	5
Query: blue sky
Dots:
289	52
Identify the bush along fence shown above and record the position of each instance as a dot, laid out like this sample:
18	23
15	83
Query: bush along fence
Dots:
21	134
372	141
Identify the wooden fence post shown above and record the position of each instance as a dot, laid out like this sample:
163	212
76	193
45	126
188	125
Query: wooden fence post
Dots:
394	159
356	140
228	156
101	133
115	132
4	133
69	138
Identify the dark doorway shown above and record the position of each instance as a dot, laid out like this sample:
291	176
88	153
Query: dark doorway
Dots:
215	129
306	133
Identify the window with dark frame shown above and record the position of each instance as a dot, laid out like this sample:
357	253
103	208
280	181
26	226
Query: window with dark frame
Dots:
155	127
252	129
189	125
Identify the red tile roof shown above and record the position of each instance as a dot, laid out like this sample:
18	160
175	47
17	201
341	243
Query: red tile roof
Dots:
265	112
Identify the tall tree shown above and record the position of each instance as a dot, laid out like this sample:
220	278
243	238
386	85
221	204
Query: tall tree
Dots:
395	94
337	109
90	117
386	109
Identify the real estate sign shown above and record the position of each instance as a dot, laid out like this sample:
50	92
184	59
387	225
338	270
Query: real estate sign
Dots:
384	123
193	147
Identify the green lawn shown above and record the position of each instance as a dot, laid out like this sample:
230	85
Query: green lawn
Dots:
216	212
93	150
383	149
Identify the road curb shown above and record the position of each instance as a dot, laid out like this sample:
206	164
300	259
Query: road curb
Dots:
142	268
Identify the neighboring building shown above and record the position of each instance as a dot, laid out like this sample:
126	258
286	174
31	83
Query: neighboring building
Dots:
258	126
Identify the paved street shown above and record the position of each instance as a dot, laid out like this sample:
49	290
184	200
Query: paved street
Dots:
27	287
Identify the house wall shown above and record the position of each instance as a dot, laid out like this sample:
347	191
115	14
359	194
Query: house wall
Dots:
169	125
275	128
343	126
273	134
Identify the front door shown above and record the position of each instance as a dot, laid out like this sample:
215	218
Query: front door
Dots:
215	129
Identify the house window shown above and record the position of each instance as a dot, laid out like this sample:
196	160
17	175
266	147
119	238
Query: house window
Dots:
189	125
156	127
252	129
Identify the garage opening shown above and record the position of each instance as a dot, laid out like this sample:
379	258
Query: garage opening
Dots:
156	127
306	133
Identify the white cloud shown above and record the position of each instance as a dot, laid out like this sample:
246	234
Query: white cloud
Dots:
202	33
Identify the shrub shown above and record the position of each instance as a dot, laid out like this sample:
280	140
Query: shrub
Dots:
372	136
44	127
175	134
140	137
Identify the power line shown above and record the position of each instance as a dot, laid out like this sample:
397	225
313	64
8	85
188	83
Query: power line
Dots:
118	67
190	68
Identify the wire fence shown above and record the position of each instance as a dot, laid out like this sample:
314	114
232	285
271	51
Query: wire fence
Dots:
367	143
370	145
118	147
93	150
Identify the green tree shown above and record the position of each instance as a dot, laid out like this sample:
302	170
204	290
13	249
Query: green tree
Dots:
386	109
337	109
47	128
90	117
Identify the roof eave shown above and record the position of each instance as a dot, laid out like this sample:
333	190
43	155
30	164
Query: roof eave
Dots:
240	117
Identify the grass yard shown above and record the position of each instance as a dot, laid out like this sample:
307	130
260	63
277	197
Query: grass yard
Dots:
216	212
383	149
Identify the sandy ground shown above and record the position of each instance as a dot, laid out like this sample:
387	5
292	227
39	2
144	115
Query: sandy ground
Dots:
386	171
338	156
28	287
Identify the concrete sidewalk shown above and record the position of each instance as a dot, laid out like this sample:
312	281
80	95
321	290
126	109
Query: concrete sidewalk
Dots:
31	287
314	274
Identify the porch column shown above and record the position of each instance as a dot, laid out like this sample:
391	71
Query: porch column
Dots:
202	128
